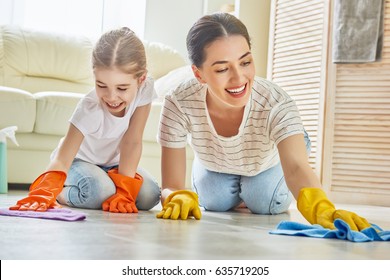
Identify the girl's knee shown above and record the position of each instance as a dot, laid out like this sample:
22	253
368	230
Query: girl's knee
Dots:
90	192
149	195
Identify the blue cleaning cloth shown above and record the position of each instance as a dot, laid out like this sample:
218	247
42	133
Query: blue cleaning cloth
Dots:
342	231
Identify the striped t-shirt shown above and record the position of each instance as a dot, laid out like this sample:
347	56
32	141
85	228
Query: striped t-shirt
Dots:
269	117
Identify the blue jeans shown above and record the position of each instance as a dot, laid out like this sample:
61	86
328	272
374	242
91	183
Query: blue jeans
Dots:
265	193
88	186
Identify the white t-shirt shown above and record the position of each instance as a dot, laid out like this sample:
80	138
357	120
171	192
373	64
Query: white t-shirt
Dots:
269	117
102	131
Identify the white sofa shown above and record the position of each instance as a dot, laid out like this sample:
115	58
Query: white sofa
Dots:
42	78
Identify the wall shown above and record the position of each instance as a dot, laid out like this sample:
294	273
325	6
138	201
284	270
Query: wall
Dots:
162	17
255	15
168	21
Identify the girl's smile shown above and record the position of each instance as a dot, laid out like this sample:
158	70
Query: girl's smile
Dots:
116	89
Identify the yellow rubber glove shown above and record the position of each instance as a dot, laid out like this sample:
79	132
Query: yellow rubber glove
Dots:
183	203
317	209
43	192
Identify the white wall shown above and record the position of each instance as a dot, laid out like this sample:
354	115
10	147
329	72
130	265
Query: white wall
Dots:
168	21
121	13
211	6
255	15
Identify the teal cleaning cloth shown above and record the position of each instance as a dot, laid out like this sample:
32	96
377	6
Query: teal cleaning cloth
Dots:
342	231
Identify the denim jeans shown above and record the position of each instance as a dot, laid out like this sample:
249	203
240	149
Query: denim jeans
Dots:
88	186
265	193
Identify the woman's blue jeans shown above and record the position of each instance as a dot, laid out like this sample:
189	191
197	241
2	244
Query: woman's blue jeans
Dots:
88	186
265	193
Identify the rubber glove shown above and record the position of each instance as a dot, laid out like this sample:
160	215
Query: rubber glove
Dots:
43	192
127	190
317	209
181	203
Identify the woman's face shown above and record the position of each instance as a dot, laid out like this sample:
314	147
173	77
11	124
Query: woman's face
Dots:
115	89
228	71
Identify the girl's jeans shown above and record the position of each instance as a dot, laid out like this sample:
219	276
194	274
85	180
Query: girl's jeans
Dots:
88	186
265	193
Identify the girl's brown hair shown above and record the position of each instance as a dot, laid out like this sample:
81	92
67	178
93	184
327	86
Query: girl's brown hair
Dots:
120	48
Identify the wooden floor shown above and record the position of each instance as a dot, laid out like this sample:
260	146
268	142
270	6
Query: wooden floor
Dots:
224	236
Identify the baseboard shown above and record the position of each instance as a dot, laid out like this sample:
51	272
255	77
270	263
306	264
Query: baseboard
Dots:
22	187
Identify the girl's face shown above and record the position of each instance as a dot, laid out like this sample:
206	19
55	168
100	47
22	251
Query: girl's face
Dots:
228	71
116	89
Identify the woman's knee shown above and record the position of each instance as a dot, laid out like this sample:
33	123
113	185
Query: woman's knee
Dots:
278	203
217	192
281	202
218	198
216	204
267	193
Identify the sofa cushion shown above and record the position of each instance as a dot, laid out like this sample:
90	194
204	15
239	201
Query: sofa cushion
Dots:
170	81
150	131
161	59
54	110
18	108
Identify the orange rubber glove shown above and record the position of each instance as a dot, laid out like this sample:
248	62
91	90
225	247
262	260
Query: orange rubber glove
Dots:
127	190
183	203
43	192
317	209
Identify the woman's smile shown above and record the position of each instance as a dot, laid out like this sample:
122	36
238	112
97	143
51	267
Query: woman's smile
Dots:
237	92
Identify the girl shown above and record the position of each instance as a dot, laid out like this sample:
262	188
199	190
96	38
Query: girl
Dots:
249	142
96	164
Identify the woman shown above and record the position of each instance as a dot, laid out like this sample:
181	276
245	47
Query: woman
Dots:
249	142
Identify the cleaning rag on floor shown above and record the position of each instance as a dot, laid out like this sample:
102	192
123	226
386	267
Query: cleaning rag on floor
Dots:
62	214
342	231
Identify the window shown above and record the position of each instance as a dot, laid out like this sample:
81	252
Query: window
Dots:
75	17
